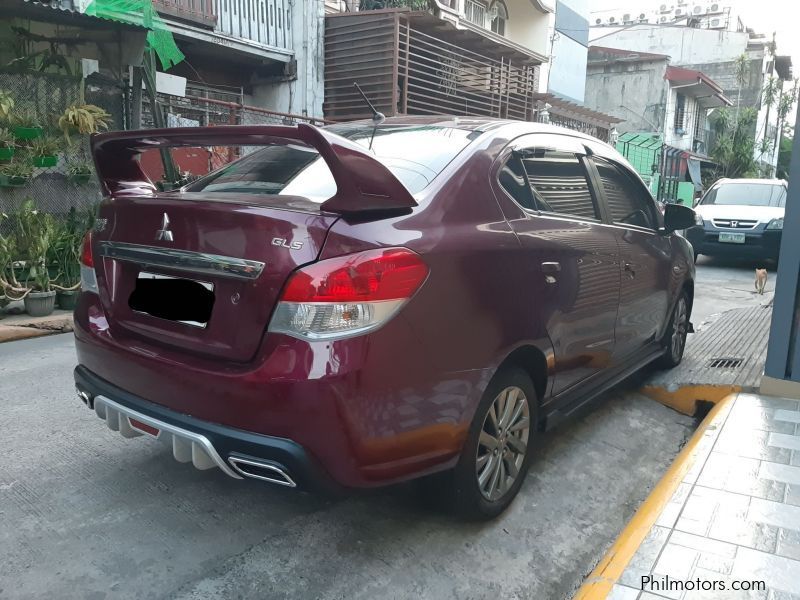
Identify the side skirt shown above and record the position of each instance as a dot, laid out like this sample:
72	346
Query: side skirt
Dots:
573	400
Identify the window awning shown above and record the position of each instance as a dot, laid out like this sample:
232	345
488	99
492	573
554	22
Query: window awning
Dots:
698	85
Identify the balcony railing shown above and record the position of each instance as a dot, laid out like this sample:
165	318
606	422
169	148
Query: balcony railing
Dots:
475	12
265	22
200	12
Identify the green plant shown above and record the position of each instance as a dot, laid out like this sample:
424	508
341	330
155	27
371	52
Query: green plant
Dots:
17	170
65	250
10	288
6	104
25	118
80	167
45	146
84	119
733	151
35	233
6	138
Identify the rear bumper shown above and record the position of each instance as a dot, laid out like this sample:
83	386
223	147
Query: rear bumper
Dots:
369	410
206	445
759	242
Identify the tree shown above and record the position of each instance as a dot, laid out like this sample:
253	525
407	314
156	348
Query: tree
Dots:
733	150
784	156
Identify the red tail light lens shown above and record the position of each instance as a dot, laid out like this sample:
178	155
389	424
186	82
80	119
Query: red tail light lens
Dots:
88	276
386	274
348	295
86	250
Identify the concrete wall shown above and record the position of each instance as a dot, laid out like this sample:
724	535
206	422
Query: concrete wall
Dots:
635	92
527	26
305	94
671	136
684	45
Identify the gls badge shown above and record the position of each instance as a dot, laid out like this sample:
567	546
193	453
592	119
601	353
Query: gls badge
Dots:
284	243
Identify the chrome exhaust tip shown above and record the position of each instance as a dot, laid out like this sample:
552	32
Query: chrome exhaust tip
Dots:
85	397
265	471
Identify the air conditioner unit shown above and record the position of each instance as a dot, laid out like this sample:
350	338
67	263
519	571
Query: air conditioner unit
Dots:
714	7
697	10
642	16
612	19
678	12
662	20
663	8
626	18
598	21
714	22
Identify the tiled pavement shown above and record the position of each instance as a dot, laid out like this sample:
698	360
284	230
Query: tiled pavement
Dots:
736	515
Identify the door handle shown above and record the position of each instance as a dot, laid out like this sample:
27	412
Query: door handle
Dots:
551	267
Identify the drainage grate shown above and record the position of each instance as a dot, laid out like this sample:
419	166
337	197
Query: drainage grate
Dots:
725	362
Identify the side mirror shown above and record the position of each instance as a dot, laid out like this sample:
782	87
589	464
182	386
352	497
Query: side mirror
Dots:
677	217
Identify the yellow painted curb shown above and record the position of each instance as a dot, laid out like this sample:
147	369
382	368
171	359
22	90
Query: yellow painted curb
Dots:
600	581
684	398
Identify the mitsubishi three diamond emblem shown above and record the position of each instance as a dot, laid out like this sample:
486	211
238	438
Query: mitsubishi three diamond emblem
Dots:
164	234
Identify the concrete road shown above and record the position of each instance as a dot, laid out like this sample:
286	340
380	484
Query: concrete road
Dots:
88	514
723	284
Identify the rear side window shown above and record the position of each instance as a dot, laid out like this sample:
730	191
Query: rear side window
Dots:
747	194
628	203
559	184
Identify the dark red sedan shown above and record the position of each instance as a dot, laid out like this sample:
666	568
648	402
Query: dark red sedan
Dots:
358	305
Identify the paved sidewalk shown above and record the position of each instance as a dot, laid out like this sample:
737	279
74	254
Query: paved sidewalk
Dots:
732	514
722	358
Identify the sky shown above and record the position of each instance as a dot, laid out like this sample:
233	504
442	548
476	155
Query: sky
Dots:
764	16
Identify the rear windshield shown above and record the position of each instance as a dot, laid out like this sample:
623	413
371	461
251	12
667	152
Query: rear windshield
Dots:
748	194
414	154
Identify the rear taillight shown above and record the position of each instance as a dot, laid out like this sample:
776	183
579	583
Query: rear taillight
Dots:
348	295
88	277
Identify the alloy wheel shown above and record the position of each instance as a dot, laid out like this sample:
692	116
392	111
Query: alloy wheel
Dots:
503	443
679	329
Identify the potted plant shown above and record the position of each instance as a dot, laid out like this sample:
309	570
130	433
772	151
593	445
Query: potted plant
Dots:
15	174
65	252
34	232
6	145
26	125
10	288
45	151
84	119
6	105
80	172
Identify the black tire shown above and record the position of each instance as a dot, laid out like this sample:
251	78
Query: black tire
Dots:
696	254
468	498
673	352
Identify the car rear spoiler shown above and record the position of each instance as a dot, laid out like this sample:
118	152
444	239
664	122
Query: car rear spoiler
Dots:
362	182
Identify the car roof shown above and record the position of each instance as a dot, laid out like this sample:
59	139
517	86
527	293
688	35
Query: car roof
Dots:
474	124
727	181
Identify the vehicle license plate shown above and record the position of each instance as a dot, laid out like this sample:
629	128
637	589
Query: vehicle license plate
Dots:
732	238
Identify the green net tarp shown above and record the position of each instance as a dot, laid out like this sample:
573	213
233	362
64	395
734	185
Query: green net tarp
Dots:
141	13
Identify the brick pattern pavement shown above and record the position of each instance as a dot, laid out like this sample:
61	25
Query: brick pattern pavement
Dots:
736	515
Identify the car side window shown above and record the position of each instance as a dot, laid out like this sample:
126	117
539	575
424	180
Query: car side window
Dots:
559	183
513	180
628	203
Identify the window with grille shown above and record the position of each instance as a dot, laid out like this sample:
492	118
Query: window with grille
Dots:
680	111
